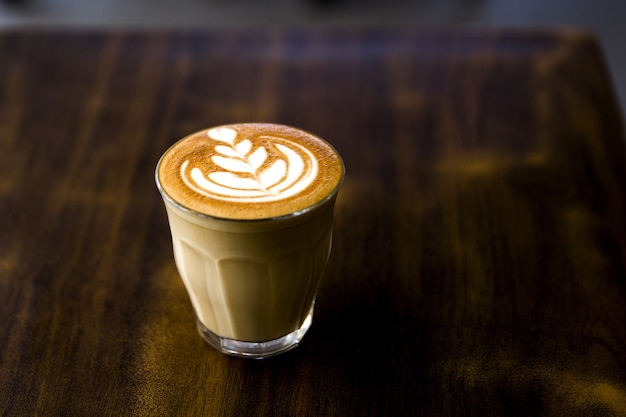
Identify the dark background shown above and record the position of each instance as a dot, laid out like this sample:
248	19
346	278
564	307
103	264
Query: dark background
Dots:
604	17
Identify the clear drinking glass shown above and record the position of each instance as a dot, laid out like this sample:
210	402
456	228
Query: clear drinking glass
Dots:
252	279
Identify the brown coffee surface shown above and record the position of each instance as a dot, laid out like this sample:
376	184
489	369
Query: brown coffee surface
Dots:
250	171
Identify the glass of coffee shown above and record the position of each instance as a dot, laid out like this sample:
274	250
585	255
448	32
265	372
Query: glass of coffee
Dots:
250	209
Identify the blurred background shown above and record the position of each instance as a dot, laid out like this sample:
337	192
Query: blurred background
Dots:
607	18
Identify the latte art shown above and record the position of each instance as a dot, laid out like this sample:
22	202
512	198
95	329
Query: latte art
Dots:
250	171
244	172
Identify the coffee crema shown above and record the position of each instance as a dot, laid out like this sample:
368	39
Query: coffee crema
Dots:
250	171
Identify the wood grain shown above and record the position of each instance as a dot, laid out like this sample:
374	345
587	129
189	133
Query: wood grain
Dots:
479	258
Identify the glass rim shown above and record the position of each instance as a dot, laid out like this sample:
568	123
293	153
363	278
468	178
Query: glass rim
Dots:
332	194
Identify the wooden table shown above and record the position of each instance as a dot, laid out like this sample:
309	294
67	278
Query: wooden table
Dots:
479	259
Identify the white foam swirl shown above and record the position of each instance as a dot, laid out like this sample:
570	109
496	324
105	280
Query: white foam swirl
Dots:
245	173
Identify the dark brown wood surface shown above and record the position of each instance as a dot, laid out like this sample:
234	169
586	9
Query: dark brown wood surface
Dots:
479	259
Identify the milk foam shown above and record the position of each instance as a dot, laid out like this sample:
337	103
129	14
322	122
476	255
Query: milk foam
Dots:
250	171
248	175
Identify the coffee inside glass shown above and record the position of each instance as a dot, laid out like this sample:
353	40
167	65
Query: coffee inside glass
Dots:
250	209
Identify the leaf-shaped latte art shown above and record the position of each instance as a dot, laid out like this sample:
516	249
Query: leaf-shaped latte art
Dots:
224	134
225	179
244	172
232	164
273	174
227	151
258	157
243	147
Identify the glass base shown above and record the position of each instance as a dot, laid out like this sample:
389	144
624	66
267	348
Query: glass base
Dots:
256	350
